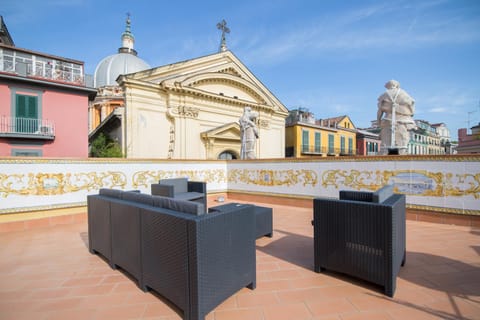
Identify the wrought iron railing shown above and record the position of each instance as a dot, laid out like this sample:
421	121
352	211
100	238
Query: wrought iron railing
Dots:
319	150
27	126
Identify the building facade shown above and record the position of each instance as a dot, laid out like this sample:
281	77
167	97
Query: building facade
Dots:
307	137
43	104
428	139
190	110
469	143
368	143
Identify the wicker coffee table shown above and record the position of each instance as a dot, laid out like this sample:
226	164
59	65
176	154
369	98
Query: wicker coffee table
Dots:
263	217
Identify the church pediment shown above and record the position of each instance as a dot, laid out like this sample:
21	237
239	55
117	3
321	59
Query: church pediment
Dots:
220	74
226	84
229	131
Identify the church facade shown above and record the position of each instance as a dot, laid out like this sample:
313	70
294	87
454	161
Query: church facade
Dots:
185	110
190	110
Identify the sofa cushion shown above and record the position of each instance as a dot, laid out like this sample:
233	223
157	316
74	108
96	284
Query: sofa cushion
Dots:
138	197
382	194
179	205
180	185
112	193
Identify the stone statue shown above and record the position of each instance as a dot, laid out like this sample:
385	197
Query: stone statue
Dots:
248	133
395	118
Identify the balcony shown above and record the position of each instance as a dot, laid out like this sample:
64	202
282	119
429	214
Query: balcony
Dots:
26	63
47	272
26	128
319	150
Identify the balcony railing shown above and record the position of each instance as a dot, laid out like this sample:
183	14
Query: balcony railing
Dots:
320	150
15	127
27	64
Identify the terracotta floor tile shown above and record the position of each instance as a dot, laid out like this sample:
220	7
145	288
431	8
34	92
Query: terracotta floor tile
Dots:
160	309
239	314
47	273
375	315
72	314
121	312
330	307
257	299
297	311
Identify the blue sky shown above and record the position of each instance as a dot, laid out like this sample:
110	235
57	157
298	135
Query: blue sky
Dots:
331	57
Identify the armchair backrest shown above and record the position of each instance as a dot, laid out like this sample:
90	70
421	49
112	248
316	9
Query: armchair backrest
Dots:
382	194
180	185
378	196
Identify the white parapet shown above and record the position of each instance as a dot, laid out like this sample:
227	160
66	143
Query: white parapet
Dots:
448	183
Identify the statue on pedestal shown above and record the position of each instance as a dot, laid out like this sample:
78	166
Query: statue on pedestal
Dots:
248	133
395	118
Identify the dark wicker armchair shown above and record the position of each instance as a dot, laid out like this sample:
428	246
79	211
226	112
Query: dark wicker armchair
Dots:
182	189
362	234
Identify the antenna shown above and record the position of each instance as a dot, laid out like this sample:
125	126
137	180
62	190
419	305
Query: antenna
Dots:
469	113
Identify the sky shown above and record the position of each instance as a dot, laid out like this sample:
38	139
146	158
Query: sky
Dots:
330	57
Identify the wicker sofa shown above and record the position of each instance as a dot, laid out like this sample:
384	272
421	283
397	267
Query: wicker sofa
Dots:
181	188
194	260
361	234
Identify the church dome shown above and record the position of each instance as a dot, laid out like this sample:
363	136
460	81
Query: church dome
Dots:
123	62
111	67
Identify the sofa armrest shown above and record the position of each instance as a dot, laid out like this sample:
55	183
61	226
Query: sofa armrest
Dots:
223	258
163	190
383	193
197	186
99	229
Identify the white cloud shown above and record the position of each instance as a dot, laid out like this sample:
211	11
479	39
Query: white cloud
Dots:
372	28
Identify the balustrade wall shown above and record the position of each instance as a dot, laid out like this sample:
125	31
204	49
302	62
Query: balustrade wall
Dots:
443	183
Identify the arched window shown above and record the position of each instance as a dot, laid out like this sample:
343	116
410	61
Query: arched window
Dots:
227	155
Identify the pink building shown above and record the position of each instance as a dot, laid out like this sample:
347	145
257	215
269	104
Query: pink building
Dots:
43	103
469	143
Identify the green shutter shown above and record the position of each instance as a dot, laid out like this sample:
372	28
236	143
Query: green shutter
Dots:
26	113
305	142
317	142
331	143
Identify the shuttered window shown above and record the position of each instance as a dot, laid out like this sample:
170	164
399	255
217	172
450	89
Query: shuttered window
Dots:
26	113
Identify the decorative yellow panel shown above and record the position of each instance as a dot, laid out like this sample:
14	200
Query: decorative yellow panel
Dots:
58	183
273	177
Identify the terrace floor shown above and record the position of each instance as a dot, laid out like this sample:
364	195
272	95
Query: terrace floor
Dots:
48	273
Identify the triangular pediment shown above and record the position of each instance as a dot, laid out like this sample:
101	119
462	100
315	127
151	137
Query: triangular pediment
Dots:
229	131
220	75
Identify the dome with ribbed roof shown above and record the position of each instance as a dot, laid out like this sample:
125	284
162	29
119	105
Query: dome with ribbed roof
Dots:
123	62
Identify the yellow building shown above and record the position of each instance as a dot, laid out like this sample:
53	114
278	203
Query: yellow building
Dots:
307	137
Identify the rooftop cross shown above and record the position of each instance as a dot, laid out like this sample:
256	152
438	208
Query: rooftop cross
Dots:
223	26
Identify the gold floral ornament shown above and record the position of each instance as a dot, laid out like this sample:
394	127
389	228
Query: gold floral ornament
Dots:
273	177
146	178
58	183
410	182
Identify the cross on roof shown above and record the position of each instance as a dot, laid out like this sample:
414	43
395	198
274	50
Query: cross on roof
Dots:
223	26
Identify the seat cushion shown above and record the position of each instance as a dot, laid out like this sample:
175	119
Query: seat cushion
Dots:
180	185
189	195
184	206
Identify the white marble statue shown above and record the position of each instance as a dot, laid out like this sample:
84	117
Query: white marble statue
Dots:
248	133
395	118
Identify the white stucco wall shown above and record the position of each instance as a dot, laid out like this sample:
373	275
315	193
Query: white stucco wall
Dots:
445	183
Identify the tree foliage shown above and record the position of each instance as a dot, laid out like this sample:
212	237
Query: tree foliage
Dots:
104	147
